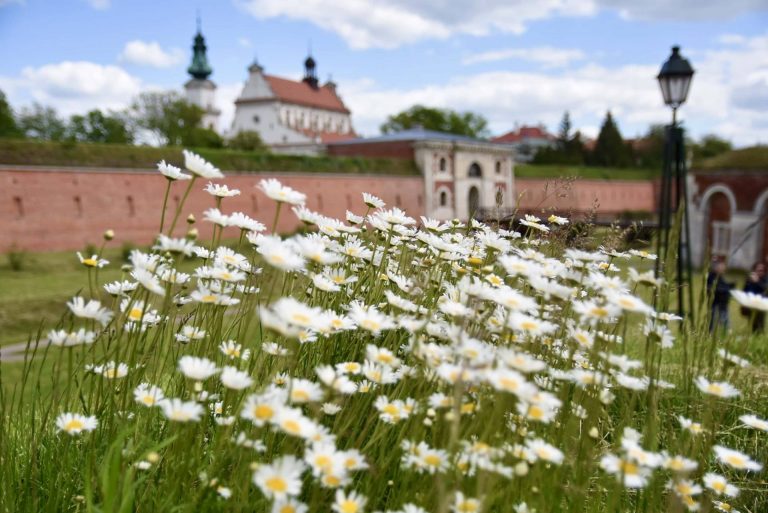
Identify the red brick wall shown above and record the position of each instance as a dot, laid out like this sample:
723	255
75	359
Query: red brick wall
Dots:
613	196
59	208
392	150
746	185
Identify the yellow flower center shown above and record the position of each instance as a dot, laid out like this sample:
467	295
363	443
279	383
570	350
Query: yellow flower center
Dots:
433	460
208	298
391	409
74	425
348	506
301	318
718	486
370	325
300	395
735	460
276	484
263	412
323	461
148	400
628	468
467	507
528	325
535	412
90	262
135	314
287	509
291	426
331	480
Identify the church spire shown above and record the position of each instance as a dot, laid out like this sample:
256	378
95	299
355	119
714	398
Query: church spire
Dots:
310	73
199	68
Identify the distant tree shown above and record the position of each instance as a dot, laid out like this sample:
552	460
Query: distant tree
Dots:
39	122
710	146
171	119
199	137
564	135
247	140
442	120
610	149
100	128
648	151
8	126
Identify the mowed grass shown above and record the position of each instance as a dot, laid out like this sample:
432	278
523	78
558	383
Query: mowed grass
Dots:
34	297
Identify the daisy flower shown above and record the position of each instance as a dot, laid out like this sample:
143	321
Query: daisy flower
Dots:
754	422
92	261
90	310
178	410
281	193
120	288
172	173
716	388
719	485
351	502
541	450
289	505
235	379
750	300
63	338
736	459
199	166
74	423
221	191
281	478
196	368
148	395
463	504
372	201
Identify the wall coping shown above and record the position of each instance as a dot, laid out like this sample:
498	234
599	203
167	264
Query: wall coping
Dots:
127	170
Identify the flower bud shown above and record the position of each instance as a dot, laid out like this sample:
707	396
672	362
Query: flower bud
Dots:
192	233
191	219
521	468
153	457
109	235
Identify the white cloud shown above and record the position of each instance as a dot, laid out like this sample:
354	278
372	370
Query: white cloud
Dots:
547	56
100	4
727	96
225	100
145	53
683	10
73	86
364	24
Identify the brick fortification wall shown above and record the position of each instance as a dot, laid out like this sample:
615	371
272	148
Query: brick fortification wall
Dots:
611	196
65	208
45	209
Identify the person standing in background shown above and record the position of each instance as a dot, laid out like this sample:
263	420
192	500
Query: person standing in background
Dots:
719	291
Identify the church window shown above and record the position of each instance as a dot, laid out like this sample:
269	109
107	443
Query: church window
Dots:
475	171
443	164
256	119
443	199
498	167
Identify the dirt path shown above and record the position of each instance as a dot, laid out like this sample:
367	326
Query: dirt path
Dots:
16	352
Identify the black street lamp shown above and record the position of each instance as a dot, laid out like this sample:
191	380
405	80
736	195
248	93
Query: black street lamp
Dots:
675	81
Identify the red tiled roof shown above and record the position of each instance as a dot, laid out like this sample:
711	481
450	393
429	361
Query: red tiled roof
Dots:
524	132
301	93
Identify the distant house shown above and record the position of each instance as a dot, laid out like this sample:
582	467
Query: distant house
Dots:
463	176
526	141
292	116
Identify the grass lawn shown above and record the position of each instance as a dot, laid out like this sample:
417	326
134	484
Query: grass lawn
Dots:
587	172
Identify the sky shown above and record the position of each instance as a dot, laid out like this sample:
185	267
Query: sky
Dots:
513	61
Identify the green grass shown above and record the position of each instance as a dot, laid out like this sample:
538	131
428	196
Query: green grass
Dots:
36	295
752	158
587	172
48	471
40	153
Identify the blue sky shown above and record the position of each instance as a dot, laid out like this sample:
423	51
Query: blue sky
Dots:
511	60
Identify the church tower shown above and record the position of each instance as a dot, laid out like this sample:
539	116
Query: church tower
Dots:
199	89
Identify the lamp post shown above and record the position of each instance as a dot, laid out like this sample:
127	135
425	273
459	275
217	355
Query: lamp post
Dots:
675	81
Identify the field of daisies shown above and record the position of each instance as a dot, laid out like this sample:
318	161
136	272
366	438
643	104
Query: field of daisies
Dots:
381	363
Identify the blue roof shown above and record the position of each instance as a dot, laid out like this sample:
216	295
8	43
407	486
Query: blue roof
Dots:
413	134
